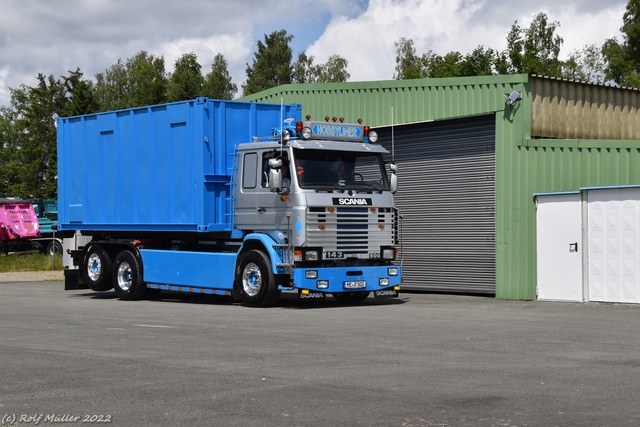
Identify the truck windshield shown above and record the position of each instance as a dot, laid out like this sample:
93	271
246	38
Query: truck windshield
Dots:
340	170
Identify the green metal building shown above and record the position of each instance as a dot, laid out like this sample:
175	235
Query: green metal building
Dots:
472	153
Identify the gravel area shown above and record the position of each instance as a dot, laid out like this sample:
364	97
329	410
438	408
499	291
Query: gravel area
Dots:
32	276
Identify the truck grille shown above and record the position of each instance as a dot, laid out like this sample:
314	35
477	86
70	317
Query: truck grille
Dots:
354	231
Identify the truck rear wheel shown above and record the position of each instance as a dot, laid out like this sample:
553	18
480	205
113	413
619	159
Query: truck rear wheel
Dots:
255	277
37	246
127	277
54	248
97	266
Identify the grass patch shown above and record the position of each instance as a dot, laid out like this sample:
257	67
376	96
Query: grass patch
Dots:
30	262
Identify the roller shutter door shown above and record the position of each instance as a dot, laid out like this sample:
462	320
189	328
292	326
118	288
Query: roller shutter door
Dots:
447	196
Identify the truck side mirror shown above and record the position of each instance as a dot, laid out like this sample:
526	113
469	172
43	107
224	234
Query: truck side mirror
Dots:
275	175
394	177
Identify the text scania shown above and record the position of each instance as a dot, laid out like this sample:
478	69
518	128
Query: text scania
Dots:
353	202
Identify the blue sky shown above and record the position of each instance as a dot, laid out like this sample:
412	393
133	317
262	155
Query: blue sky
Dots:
52	37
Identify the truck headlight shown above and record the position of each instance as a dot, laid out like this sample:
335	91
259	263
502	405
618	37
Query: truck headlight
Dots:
311	274
373	136
383	281
393	271
311	255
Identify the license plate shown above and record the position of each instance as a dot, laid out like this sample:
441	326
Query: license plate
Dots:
357	284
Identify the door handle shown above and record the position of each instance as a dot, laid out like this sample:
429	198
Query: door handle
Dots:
262	210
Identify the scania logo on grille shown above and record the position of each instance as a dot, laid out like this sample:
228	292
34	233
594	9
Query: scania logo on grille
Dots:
351	201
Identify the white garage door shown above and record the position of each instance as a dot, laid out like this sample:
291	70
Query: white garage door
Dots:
613	221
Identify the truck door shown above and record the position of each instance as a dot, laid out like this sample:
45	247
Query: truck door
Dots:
256	207
271	209
245	214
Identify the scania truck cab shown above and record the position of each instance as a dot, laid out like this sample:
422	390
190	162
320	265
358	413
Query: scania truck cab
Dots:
336	226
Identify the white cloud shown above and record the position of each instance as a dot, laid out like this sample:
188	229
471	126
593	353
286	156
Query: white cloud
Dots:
55	37
367	41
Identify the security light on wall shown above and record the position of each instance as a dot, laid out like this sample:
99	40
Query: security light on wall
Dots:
513	97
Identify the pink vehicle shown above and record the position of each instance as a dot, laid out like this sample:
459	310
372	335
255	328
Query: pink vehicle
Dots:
18	224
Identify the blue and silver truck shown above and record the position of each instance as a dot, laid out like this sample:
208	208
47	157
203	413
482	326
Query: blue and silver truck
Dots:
230	198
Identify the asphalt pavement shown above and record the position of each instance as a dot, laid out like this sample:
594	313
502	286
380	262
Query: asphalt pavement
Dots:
419	360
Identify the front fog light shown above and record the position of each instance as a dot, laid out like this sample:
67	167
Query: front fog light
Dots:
322	284
393	271
383	281
388	253
311	274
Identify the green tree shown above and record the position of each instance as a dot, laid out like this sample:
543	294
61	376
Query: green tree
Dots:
408	64
271	64
10	183
217	83
28	135
81	95
514	56
142	80
186	82
586	65
34	146
437	66
480	62
303	69
535	50
622	60
333	71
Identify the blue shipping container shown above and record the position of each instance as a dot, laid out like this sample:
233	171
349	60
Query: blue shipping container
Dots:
159	168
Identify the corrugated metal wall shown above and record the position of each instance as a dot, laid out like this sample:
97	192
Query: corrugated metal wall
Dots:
447	198
574	110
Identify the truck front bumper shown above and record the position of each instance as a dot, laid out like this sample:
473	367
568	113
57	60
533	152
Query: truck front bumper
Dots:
347	279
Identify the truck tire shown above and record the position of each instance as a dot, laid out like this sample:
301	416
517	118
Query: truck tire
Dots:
97	265
37	246
54	248
350	297
255	278
127	277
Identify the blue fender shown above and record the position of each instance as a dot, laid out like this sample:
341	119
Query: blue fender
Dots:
267	241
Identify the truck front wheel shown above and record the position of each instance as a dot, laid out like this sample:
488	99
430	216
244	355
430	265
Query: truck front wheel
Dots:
256	280
97	266
127	277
